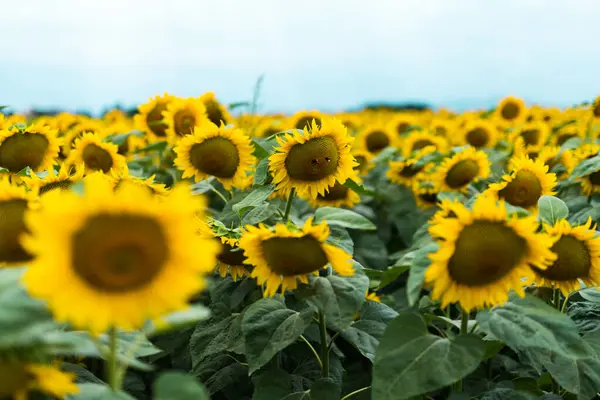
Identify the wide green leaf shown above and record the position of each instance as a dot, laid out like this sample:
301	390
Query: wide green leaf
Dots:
416	274
259	213
340	297
552	209
586	167
179	386
257	197
530	323
269	327
179	319
410	361
272	384
94	391
344	218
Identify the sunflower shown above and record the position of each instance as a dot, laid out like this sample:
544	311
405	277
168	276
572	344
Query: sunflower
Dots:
131	142
423	142
231	259
119	253
483	254
18	378
282	256
576	130
548	155
511	111
77	131
267	127
363	158
528	181
215	111
350	121
337	195
96	155
121	177
312	161
442	127
445	210
114	116
404	172
375	137
150	117
63	179
425	190
479	133
401	123
578	251
14	202
182	116
595	108
222	152
35	147
304	120
456	173
533	134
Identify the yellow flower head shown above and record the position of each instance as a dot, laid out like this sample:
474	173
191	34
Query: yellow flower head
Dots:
35	147
182	117
456	173
578	257
337	195
215	111
421	143
112	258
63	179
510	111
312	161
14	202
375	137
478	133
121	177
222	152
95	154
528	181
281	256
404	172
304	120
150	117
532	134
17	378
401	123
483	254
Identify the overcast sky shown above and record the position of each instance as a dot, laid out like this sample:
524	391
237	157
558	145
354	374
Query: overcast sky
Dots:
327	54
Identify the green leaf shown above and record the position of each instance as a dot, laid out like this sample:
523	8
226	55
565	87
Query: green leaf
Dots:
179	386
203	186
179	319
120	138
94	391
530	323
360	189
392	273
586	167
259	151
344	218
416	274
410	361
156	146
3	107
505	393
259	214
340	297
238	104
213	337
262	172
24	172
269	327
365	333
552	209
325	389
272	384
255	198
339	237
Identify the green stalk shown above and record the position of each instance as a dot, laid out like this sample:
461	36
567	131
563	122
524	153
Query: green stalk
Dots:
112	366
288	205
324	347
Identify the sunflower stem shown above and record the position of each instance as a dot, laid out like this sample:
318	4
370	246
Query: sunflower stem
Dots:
556	299
288	205
112	366
355	392
464	322
564	304
324	347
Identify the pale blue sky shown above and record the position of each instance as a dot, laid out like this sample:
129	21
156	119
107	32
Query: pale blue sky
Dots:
328	54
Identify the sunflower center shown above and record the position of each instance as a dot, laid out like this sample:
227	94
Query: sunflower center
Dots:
23	150
305	122
409	171
484	253
213	111
564	137
12	226
477	137
594	178
124	147
294	256
231	255
313	160
270	131
154	119
510	111
430	198
13	377
531	136
377	141
119	253
62	185
440	130
573	260
336	192
422	143
523	191
96	158
596	110
216	156
183	122
462	173
402	127
362	162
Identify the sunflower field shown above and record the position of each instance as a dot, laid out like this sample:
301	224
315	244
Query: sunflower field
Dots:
196	251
